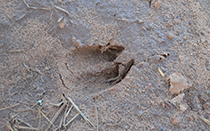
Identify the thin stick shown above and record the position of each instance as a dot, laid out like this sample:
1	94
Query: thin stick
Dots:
25	127
69	110
24	122
64	121
8	107
35	8
19	102
63	117
72	119
76	107
39	113
204	120
96	117
46	117
115	124
8	125
18	20
58	104
30	68
61	122
59	8
51	15
162	74
26	3
56	115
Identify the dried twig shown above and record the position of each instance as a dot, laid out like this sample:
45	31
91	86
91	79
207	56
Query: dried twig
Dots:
8	107
61	122
115	124
24	122
8	125
33	69
76	107
204	120
25	127
64	121
162	74
17	51
59	8
39	113
19	101
46	117
28	109
96	117
72	119
35	8
56	115
58	104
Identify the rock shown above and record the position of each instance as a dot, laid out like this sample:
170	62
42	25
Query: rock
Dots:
73	39
169	24
170	35
177	100
150	26
157	4
177	120
178	83
62	23
140	21
183	107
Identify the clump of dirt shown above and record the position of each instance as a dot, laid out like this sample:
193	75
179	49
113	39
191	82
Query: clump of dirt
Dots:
178	83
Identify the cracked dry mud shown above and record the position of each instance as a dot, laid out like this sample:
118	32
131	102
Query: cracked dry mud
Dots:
113	59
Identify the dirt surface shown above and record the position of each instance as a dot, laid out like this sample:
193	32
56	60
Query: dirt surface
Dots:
128	65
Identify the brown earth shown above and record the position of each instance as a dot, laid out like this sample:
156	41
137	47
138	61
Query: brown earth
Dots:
116	60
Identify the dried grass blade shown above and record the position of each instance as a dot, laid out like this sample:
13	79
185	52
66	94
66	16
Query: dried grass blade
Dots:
25	127
56	115
204	120
46	117
72	119
9	107
76	107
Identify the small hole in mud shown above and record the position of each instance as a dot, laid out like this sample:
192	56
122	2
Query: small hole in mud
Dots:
150	3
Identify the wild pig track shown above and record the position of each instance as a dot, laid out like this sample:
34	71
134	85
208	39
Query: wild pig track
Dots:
95	68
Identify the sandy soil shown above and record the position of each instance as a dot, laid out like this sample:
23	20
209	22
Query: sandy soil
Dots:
128	65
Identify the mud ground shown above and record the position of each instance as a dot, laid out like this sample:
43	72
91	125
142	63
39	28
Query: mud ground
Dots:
113	59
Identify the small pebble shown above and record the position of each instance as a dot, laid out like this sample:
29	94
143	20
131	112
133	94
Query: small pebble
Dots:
60	1
170	35
202	33
169	23
177	99
157	4
73	39
99	98
62	23
163	105
140	21
183	107
178	83
190	23
150	27
190	118
177	120
97	2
